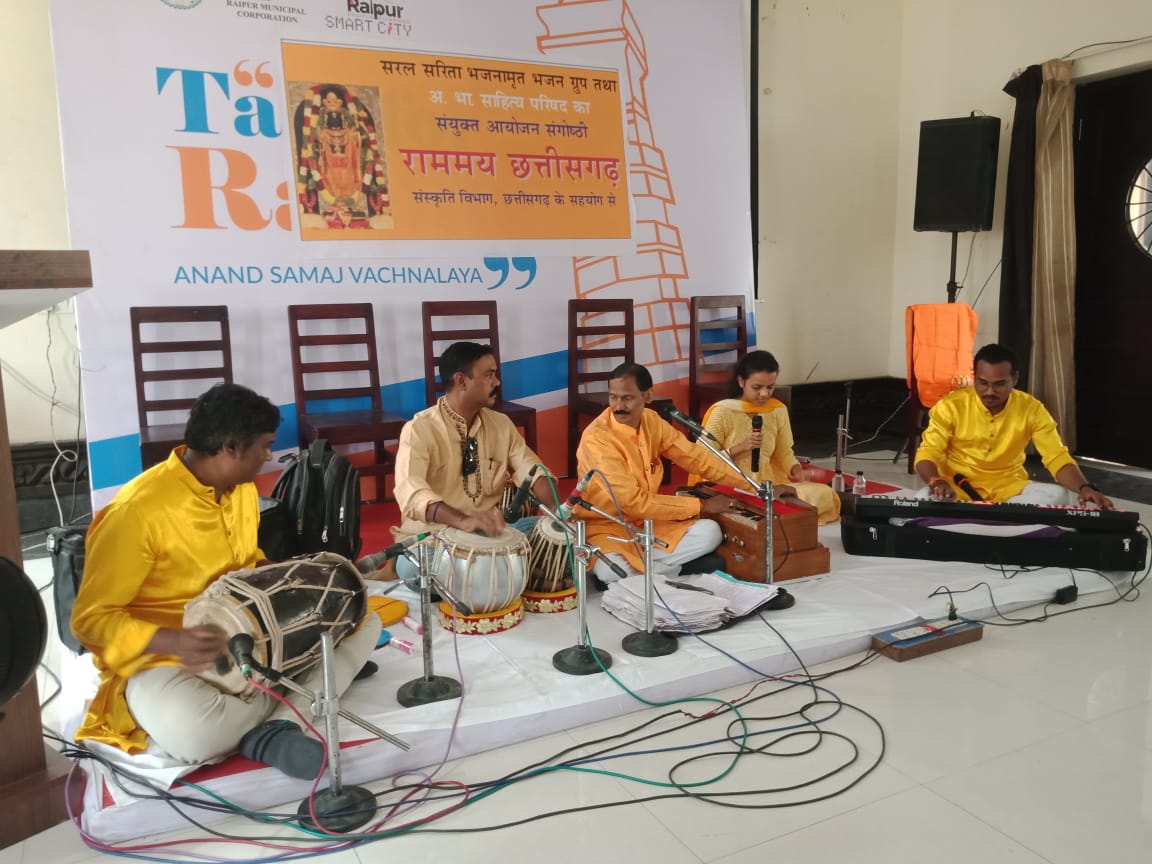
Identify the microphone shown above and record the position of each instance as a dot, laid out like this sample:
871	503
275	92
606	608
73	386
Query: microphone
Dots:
241	646
516	505
371	563
673	413
564	511
757	425
966	484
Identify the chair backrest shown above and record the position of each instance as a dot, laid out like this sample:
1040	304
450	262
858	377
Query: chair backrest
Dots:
178	353
940	339
446	322
718	335
601	336
332	342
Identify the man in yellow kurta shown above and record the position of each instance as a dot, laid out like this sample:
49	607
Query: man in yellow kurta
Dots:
455	458
730	422
980	433
626	443
166	536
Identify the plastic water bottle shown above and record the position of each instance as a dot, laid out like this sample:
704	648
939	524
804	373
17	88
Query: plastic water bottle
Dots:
860	485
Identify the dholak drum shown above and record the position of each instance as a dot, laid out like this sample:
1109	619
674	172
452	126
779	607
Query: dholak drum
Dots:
486	574
550	581
285	607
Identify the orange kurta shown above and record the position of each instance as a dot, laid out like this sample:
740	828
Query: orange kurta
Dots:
630	461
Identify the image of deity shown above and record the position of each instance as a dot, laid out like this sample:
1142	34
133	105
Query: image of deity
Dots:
341	176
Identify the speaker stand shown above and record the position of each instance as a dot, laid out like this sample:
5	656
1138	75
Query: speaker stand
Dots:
953	288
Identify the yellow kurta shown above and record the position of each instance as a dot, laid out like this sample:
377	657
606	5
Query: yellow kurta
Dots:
965	437
430	459
159	543
630	459
730	420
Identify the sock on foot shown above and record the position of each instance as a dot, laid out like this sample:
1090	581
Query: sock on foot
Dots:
283	745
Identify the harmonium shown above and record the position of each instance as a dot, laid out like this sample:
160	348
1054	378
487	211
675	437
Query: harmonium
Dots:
985	533
796	551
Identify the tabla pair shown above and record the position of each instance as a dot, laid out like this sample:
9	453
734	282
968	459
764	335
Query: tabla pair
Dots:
499	578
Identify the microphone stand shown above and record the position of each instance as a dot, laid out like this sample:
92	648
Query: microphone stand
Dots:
430	687
647	642
338	808
841	446
581	658
764	492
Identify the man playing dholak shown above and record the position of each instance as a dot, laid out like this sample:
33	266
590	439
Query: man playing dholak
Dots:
979	434
455	458
626	443
165	537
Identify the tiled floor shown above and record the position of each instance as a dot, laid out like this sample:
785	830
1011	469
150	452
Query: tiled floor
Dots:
1032	745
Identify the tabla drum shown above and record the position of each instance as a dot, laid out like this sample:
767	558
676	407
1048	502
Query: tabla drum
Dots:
486	574
550	579
285	607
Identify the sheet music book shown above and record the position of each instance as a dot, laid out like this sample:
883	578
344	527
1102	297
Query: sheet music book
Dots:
696	603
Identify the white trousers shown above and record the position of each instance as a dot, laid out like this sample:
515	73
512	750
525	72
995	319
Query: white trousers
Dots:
703	537
192	721
1033	493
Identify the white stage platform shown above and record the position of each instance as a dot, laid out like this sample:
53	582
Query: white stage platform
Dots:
512	692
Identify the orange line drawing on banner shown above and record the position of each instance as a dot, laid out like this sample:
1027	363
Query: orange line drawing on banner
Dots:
652	278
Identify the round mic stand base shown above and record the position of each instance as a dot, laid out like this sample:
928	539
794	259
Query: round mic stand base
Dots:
645	644
338	812
581	660
421	691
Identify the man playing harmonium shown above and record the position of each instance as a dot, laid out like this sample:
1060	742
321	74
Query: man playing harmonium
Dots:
976	437
455	458
626	443
166	536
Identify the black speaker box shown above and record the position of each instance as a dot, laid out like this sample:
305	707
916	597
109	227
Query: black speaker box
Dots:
956	174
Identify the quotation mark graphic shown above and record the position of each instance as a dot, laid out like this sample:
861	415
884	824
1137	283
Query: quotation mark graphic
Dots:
503	266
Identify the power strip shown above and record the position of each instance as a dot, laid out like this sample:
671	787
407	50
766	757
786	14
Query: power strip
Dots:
925	637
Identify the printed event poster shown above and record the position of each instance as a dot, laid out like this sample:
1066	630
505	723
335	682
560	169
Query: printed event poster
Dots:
399	145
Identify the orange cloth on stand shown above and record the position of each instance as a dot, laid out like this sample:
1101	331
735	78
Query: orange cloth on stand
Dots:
940	339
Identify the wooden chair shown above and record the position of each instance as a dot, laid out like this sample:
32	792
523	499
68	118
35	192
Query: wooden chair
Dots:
711	362
601	336
178	353
438	334
346	348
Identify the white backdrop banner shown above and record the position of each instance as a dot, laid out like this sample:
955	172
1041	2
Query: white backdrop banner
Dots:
261	154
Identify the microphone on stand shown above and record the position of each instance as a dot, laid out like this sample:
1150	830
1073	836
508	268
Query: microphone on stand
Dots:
516	505
966	484
757	425
673	413
241	646
371	563
564	511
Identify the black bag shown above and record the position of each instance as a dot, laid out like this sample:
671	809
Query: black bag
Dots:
321	492
273	532
66	546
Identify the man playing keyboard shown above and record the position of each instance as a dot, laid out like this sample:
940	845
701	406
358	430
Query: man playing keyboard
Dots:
976	438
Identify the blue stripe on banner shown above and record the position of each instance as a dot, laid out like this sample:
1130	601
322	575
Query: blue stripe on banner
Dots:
115	461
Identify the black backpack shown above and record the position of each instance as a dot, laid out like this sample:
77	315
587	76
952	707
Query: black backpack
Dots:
66	546
321	492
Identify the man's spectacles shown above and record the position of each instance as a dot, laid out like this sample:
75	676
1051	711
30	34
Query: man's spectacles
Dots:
471	464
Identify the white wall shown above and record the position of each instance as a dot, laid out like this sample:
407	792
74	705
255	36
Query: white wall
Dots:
829	83
33	217
844	86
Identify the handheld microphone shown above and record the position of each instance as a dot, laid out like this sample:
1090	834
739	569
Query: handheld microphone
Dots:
757	425
241	646
371	563
966	484
516	506
564	511
674	413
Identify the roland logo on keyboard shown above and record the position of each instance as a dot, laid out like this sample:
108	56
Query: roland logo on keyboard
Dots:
905	502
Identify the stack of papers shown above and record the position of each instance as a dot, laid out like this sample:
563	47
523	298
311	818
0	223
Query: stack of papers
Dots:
685	604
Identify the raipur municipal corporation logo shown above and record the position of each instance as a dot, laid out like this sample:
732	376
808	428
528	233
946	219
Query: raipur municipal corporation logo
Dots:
182	4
